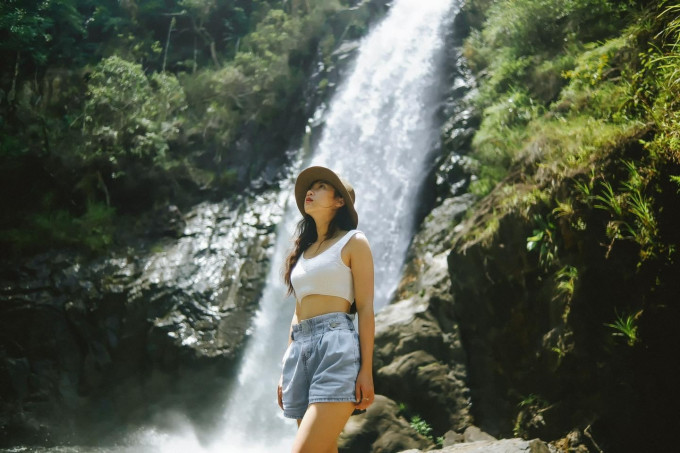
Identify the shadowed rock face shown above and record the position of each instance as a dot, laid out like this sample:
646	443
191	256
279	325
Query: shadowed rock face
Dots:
380	429
89	346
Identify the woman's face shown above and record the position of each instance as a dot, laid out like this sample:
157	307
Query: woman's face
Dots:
321	196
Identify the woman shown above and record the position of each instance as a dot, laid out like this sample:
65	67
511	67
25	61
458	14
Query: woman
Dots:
327	368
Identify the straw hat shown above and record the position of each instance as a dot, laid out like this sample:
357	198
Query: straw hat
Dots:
311	174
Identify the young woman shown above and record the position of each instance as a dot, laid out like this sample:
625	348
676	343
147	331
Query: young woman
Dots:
327	368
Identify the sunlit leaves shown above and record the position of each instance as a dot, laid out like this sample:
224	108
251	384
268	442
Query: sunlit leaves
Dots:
130	115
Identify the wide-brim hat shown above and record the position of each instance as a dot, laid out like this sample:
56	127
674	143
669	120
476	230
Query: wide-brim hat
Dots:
309	175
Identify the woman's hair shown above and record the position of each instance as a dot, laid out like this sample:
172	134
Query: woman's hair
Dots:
305	235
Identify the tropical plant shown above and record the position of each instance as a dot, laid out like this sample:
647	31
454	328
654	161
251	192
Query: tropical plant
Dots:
626	326
544	239
566	279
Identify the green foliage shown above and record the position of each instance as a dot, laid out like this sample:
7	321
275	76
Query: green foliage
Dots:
656	88
519	35
609	200
93	230
544	239
676	180
417	423
500	137
532	26
110	97
261	82
530	414
631	212
566	280
603	151
43	31
524	54
421	426
129	115
200	9
626	326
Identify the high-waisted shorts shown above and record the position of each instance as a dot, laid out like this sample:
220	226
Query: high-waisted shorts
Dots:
321	364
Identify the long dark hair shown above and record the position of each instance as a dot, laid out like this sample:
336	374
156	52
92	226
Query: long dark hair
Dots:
305	235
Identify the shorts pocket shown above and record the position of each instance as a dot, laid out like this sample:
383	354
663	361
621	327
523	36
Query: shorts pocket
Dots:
286	354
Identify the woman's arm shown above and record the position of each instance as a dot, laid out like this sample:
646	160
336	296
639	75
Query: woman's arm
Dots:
361	263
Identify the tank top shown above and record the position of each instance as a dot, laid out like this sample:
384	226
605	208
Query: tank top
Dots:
325	273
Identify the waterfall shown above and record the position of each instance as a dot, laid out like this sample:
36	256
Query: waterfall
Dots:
379	132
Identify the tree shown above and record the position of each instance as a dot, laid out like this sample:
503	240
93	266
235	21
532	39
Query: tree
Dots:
129	115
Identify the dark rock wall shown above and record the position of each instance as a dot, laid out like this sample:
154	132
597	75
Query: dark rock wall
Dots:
547	362
90	348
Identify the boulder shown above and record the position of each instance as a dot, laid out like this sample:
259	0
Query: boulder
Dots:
495	446
474	434
381	430
419	361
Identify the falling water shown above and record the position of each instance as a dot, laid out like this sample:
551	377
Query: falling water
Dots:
379	131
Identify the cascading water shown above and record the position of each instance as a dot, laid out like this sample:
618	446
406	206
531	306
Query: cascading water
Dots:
378	134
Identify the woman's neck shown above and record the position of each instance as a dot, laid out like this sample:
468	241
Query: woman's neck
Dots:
322	232
322	228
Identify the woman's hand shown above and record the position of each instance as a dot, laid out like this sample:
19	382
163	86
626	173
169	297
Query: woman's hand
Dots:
279	392
364	389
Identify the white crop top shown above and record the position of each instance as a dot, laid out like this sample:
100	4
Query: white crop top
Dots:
325	273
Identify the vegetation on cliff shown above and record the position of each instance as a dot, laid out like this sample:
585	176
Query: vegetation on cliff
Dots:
110	109
578	163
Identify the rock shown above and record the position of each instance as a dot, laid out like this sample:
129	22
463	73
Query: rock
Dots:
404	327
452	437
495	446
345	50
128	335
380	429
167	221
428	388
474	434
418	359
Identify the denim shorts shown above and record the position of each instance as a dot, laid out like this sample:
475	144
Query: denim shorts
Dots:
321	364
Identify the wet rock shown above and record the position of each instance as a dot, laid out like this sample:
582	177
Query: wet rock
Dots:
105	343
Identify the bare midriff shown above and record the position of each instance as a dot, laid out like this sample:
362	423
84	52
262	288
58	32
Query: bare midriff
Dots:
320	304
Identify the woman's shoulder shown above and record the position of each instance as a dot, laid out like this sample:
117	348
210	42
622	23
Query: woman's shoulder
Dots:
357	239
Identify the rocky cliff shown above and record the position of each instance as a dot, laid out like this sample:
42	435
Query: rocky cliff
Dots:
546	308
91	347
